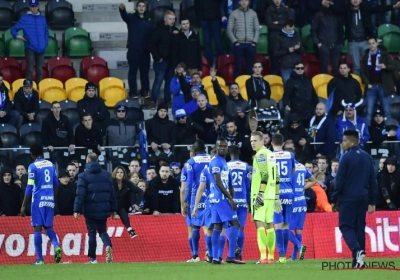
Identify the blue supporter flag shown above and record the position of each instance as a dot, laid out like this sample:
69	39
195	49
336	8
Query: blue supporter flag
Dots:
329	102
144	153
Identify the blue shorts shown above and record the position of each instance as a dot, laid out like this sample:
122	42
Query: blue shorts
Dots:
189	220
285	215
297	221
41	216
222	212
207	220
198	220
242	215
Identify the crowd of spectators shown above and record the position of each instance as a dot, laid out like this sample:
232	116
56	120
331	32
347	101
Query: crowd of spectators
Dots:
306	121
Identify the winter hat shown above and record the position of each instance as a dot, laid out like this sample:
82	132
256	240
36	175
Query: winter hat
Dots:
195	87
162	106
121	107
63	173
378	111
90	86
34	3
391	160
27	83
180	113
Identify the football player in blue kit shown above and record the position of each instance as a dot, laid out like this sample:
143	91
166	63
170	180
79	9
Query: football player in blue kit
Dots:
42	187
239	179
195	166
286	168
223	208
302	179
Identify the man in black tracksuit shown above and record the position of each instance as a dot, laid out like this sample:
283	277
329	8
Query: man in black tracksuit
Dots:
355	194
66	195
164	192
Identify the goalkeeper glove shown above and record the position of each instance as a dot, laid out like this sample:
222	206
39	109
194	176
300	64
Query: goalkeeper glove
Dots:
278	205
259	201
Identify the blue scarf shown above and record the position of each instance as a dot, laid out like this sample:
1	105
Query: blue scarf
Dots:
288	34
2	100
377	61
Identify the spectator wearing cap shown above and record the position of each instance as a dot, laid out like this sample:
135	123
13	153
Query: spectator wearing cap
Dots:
66	195
161	134
122	131
26	102
380	132
234	106
176	170
7	115
92	104
389	186
185	134
35	38
88	134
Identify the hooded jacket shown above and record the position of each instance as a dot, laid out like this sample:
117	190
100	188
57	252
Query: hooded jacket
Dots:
300	96
95	106
95	193
35	31
360	125
347	89
229	105
139	30
121	132
24	105
389	188
128	195
10	195
57	133
160	130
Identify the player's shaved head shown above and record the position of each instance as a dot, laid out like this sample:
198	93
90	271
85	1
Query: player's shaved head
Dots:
199	147
221	146
91	157
36	150
234	151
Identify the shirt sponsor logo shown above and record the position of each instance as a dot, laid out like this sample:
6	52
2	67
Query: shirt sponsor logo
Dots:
224	175
165	192
216	170
44	163
46	187
46	204
286	201
283	155
183	178
199	159
31	175
299	209
300	198
237	165
261	158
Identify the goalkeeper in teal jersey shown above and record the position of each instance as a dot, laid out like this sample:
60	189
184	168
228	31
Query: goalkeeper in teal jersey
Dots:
286	168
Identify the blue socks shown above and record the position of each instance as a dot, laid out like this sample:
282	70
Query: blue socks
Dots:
285	240
279	242
53	237
297	243
216	243
37	236
195	241
190	244
209	246
294	239
232	238
240	239
222	242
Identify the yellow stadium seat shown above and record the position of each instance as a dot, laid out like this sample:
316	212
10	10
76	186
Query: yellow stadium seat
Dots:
320	84
53	94
75	88
243	92
276	85
241	80
50	83
212	97
17	84
10	91
109	82
206	81
113	94
359	81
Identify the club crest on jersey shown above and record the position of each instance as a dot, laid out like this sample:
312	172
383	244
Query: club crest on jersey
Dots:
183	178
261	158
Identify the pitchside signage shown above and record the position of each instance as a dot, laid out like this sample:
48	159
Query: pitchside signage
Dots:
100	7
113	36
321	235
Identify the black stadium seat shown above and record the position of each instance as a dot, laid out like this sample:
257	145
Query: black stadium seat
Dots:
10	139
59	15
20	7
72	115
6	15
67	104
157	9
32	137
28	127
187	11
5	127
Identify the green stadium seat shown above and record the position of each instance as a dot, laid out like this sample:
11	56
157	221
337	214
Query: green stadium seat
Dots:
306	38
391	41
262	44
52	47
345	48
387	28
77	42
13	47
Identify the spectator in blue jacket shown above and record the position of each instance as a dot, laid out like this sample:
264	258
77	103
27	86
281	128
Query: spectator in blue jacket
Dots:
36	37
138	56
178	100
95	194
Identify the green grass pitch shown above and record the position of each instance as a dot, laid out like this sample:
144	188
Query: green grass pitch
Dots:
307	270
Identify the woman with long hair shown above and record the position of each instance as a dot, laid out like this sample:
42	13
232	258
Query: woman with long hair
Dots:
127	195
